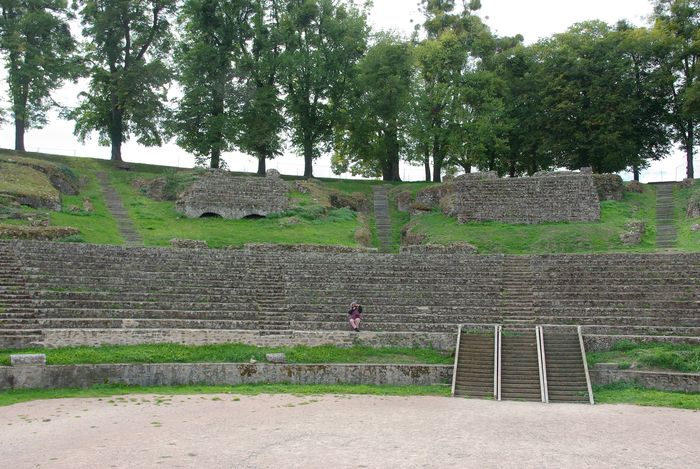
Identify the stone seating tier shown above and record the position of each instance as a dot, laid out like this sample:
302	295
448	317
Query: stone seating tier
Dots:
113	290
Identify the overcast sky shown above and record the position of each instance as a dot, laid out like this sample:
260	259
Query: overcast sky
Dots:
534	19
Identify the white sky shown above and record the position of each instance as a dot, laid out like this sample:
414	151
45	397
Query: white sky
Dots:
534	19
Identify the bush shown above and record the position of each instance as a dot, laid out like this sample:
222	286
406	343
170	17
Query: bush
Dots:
363	237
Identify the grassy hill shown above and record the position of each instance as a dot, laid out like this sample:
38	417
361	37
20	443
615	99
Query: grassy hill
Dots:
314	220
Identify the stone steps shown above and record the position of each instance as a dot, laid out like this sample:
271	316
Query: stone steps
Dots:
116	207
566	377
382	218
666	232
475	376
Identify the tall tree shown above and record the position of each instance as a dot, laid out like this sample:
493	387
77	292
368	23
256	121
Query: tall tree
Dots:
126	52
323	40
260	120
213	32
678	21
456	41
372	139
647	120
596	112
39	50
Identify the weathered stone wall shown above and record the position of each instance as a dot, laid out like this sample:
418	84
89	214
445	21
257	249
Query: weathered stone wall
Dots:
603	374
565	197
54	338
219	374
234	197
75	294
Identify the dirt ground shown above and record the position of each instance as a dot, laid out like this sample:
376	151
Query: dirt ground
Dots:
340	431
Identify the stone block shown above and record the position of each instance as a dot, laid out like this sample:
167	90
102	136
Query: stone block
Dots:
555	197
219	193
609	186
276	357
188	243
34	359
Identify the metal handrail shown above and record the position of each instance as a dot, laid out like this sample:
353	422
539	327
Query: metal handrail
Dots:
542	362
585	366
497	340
454	370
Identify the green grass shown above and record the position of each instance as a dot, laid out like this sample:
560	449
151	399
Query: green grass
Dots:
232	353
159	222
578	237
687	240
673	357
23	181
24	395
623	393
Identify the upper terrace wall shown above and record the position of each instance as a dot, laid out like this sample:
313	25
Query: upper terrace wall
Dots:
555	197
234	197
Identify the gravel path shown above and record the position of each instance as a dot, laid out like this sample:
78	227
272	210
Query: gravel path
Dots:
340	431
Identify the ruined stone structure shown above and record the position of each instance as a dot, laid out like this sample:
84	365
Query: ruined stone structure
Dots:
219	193
57	294
555	197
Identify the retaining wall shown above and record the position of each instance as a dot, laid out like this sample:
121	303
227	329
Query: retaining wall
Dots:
603	374
215	374
557	198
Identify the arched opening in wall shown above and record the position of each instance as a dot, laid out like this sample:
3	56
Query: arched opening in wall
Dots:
253	216
210	215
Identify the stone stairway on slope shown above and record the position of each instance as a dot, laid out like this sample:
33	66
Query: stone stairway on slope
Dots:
566	375
18	327
382	218
665	227
520	376
516	297
115	205
475	375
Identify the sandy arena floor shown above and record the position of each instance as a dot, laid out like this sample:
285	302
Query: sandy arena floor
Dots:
216	431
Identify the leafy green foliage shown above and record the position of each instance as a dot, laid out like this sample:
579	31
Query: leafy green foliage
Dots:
677	25
212	31
260	119
372	136
39	51
126	54
323	40
601	98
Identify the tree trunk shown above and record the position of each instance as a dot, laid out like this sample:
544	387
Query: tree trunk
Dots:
635	172
468	169
390	172
215	158
690	174
19	134
438	157
116	128
261	164
511	169
437	171
308	157
426	164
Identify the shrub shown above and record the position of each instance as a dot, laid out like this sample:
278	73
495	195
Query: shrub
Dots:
363	237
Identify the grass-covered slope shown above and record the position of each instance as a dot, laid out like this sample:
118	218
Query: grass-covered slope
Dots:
574	237
313	221
310	221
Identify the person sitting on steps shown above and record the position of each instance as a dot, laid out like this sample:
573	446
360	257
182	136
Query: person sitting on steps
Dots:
355	315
